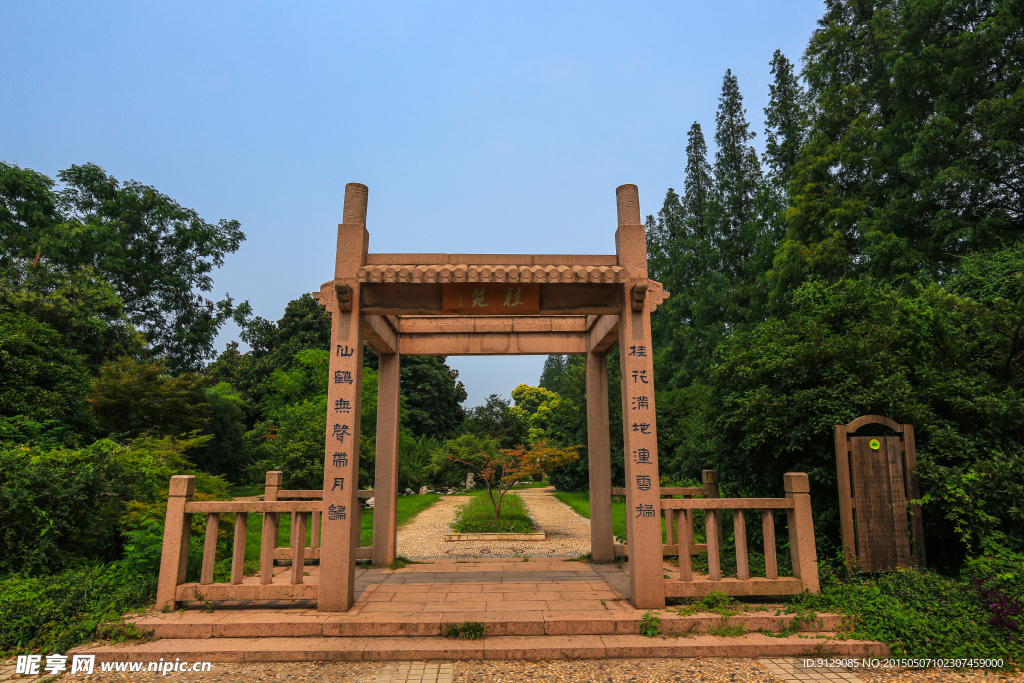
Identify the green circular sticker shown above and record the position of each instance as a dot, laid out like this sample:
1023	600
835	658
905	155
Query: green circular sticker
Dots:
874	444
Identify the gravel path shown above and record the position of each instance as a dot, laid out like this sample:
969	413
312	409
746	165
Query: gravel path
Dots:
568	534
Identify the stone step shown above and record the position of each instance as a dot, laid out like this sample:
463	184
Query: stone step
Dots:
364	648
309	624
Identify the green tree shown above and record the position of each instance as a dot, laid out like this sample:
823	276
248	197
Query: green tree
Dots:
567	425
274	348
785	134
131	398
914	153
28	212
222	454
293	439
690	324
156	254
553	373
785	120
43	384
496	420
82	307
740	231
535	406
432	395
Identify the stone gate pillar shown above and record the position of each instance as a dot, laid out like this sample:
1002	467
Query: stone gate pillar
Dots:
340	536
385	486
602	543
643	502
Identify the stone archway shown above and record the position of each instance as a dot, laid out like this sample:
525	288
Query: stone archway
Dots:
488	304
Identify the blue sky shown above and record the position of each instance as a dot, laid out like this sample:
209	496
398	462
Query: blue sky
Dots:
478	127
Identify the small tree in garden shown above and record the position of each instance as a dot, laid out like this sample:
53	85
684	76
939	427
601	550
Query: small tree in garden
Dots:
499	470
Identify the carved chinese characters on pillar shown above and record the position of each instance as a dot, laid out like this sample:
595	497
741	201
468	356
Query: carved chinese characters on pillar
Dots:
642	439
341	429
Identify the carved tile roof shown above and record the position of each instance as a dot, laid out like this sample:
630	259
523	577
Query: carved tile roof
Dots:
486	273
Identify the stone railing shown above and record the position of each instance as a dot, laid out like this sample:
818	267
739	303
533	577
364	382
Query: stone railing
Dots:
173	589
670	546
797	505
273	491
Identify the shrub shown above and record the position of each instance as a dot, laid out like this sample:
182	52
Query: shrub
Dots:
56	613
61	504
650	625
40	378
923	613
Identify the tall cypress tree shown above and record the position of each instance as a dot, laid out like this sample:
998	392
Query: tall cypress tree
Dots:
689	326
739	227
785	123
664	234
552	377
699	198
785	135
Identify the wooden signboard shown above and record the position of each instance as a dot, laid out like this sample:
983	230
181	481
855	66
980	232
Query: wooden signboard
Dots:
876	479
491	298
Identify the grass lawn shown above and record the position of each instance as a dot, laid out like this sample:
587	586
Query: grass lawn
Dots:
408	507
246	491
580	503
477	516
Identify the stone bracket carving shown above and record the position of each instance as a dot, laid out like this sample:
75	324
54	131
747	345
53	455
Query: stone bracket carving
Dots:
344	295
638	294
648	295
656	295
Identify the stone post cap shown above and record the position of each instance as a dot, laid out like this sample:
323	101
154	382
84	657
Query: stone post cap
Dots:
182	485
275	478
627	199
354	210
796	482
709	476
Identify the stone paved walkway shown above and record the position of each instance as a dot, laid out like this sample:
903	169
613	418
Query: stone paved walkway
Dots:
568	534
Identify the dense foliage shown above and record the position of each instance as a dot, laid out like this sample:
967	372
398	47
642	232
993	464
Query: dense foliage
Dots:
868	263
55	613
926	614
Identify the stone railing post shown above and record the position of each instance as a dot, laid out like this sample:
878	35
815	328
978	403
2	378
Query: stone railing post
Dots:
177	528
801	530
709	478
269	538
